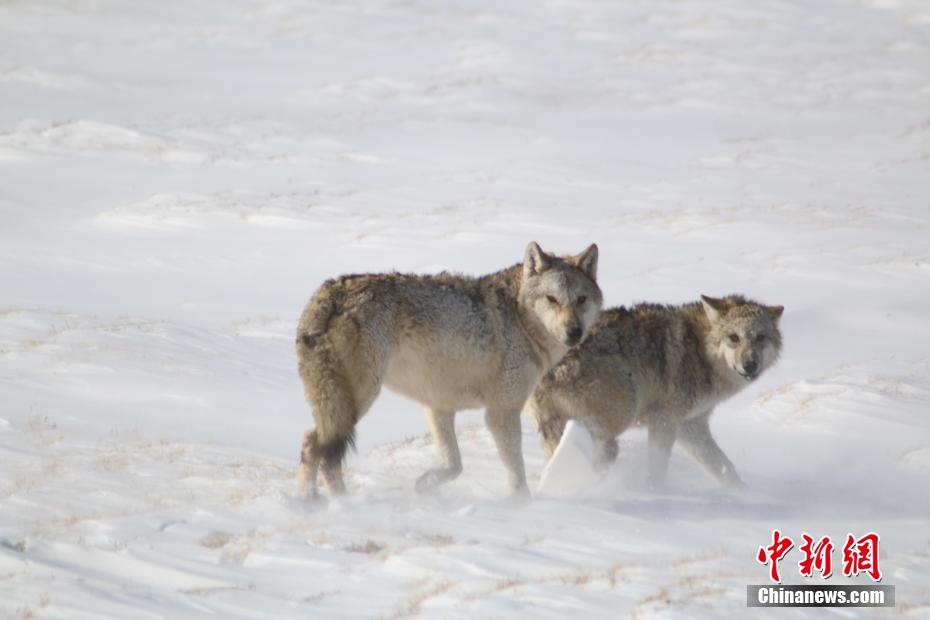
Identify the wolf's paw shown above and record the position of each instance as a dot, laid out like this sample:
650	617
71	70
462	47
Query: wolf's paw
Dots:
430	480
304	502
519	498
316	500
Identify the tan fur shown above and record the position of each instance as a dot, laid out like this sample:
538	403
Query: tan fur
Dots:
663	367
448	341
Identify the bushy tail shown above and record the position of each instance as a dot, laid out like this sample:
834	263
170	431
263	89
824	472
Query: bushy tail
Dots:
334	409
330	396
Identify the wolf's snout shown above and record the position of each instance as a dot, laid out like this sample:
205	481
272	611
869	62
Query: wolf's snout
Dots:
574	336
750	367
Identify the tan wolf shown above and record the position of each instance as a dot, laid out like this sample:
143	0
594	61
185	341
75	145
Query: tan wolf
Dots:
448	341
662	367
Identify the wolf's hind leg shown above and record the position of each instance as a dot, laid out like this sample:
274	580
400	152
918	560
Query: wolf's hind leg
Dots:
442	426
309	465
659	450
332	474
326	459
334	397
696	439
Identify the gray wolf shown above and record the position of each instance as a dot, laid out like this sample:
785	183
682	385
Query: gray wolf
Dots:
447	341
662	367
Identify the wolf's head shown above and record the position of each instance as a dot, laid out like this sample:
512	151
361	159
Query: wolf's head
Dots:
743	333
561	292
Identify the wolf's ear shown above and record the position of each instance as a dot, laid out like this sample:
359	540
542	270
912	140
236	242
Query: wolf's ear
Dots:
587	261
775	312
712	307
535	260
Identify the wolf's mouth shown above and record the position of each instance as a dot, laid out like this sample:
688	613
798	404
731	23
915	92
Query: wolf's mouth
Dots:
746	376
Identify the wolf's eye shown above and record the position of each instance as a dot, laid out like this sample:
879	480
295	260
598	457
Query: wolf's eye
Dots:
733	338
582	299
760	338
552	300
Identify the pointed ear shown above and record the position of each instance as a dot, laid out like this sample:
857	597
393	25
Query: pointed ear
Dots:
775	312
535	260
712	307
587	261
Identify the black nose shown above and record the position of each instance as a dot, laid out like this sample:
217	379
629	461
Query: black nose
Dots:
750	367
574	335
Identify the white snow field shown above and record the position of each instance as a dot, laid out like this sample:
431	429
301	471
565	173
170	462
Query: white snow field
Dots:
176	179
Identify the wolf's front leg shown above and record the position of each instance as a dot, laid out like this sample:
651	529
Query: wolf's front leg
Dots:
504	424
696	439
442	426
661	439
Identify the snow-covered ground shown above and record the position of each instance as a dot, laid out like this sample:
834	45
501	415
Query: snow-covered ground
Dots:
176	178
